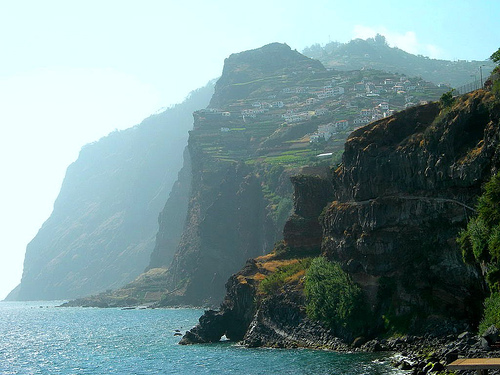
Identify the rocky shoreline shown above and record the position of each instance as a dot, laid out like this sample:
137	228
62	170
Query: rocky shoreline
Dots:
419	355
431	354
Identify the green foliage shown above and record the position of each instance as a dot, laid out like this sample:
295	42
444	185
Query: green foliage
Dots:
332	297
447	99
495	57
276	280
491	312
480	242
495	89
283	211
273	175
280	248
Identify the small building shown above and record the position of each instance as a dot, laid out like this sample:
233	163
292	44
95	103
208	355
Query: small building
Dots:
384	106
321	111
361	120
311	101
366	112
342	125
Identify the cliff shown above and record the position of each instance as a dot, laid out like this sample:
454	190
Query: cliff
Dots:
102	230
406	186
243	149
257	132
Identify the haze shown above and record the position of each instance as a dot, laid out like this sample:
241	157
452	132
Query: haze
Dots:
71	72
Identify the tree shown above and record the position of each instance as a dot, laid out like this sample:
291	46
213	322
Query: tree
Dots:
447	99
495	57
333	298
480	242
380	40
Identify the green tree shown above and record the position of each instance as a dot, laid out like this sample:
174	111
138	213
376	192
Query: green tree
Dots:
495	57
333	298
447	99
480	242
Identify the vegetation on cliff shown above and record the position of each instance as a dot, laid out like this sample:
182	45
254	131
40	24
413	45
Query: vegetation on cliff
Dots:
334	299
480	242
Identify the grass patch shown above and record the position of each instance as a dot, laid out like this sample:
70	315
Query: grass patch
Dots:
290	271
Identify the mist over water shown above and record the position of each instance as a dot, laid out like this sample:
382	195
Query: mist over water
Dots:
40	338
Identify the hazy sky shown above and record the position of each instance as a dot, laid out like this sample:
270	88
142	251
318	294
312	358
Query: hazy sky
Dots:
73	71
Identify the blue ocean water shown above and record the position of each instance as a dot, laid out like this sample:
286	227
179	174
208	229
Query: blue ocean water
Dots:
40	338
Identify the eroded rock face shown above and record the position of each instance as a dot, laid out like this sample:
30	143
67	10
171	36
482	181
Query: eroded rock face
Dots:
235	314
303	232
406	187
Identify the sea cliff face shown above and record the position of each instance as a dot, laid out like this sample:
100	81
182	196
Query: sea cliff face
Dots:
407	185
389	215
101	232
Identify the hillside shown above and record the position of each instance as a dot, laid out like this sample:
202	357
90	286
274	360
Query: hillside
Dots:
102	230
374	53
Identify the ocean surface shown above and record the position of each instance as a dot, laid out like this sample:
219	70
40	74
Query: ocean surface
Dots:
40	338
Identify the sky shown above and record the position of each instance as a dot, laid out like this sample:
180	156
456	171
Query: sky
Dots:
73	71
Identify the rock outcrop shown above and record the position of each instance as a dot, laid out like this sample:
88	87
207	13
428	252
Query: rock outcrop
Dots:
389	215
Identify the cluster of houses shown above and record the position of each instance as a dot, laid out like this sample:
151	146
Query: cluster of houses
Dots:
367	115
261	107
326	131
300	110
401	86
292	116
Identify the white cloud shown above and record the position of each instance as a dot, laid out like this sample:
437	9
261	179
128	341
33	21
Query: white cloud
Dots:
406	41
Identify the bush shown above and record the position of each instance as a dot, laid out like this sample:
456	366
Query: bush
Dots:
447	99
480	242
333	298
491	312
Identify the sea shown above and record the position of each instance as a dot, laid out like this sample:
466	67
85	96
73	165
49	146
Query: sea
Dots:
41	338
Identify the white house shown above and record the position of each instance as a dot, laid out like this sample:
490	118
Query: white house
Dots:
384	106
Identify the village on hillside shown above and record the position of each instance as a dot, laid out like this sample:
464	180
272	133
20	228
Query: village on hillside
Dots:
347	102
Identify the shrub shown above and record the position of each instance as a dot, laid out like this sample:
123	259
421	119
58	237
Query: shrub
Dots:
480	242
333	298
491	312
447	99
